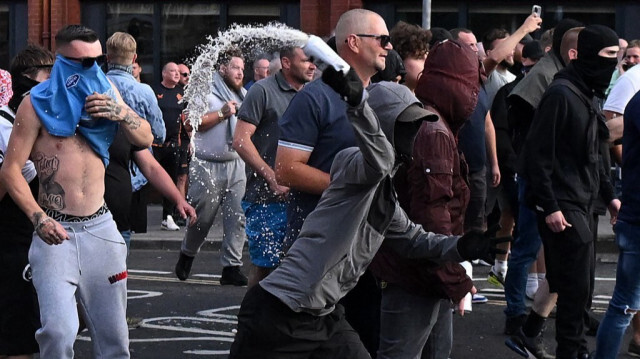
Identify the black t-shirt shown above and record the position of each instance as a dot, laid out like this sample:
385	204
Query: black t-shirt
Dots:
117	180
171	111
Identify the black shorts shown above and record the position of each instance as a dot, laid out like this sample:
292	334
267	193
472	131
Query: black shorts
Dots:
19	314
268	329
173	158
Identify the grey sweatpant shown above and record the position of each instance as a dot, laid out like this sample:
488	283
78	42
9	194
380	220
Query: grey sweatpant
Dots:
88	268
214	186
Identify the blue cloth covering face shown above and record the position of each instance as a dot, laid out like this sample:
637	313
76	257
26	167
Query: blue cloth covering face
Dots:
59	103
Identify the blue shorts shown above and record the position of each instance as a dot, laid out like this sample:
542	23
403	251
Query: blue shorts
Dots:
266	225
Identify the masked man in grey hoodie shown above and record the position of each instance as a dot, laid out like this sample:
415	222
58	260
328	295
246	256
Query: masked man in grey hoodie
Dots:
294	311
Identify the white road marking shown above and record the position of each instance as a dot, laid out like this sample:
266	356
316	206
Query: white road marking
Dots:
144	271
142	294
207	352
174	280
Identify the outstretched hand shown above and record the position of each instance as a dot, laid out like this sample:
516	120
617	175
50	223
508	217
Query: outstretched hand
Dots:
477	244
348	86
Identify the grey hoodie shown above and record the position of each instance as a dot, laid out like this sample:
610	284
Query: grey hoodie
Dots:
355	214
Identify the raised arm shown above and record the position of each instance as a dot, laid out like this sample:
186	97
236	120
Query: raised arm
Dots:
138	132
504	48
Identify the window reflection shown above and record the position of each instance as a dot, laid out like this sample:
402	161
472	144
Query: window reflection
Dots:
253	14
137	20
186	26
4	37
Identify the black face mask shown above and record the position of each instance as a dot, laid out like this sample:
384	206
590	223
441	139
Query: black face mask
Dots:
21	86
596	72
594	69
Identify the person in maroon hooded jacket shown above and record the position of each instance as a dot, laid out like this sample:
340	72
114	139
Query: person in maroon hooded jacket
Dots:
417	294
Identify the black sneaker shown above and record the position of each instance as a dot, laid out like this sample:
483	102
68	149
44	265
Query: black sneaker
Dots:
528	347
181	222
183	267
233	276
513	324
592	326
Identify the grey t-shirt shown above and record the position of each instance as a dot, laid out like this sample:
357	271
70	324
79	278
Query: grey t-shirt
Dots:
263	107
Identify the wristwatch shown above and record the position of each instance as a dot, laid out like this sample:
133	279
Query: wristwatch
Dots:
221	115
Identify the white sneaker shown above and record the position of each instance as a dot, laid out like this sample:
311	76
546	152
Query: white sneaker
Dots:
169	225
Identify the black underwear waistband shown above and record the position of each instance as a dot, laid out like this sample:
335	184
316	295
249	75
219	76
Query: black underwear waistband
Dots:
62	217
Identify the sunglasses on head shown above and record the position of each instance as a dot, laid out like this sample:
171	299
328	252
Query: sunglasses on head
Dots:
384	39
184	74
89	61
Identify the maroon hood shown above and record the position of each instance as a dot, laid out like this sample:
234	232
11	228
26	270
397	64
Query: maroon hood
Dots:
451	82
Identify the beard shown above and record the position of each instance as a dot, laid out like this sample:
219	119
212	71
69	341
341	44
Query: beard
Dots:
232	84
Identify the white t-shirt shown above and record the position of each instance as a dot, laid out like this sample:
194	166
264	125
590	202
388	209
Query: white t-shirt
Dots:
624	89
29	170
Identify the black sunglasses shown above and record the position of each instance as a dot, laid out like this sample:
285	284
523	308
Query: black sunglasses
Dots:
89	61
384	39
184	74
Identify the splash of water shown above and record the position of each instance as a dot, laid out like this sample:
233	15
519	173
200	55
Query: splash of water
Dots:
251	40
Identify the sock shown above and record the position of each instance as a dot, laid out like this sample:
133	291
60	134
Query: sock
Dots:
532	284
542	276
533	326
500	267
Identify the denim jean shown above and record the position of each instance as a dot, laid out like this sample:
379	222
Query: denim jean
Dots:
524	251
626	295
407	321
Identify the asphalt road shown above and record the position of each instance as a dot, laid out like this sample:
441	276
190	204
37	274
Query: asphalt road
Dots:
196	318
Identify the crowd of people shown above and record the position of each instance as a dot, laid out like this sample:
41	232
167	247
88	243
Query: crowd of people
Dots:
364	195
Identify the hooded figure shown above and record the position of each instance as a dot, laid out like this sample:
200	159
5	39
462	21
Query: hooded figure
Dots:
565	175
450	82
595	70
432	190
294	309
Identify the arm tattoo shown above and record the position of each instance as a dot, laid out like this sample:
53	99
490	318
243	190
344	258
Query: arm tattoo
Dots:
36	217
131	119
52	194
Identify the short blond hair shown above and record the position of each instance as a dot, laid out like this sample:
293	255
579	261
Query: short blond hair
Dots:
121	48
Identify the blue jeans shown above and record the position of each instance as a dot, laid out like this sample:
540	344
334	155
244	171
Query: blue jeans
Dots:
524	251
626	295
126	235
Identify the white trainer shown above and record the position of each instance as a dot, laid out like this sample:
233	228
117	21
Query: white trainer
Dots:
169	225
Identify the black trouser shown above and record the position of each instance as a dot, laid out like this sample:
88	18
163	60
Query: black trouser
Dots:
172	158
569	258
268	329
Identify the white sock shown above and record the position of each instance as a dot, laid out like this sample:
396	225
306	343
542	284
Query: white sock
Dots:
500	267
541	276
532	284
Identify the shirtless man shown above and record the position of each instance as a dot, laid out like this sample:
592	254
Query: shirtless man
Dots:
65	127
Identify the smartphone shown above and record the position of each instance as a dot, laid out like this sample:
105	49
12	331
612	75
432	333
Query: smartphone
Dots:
536	9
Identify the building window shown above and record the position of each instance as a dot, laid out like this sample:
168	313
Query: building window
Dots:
137	20
5	57
253	14
184	27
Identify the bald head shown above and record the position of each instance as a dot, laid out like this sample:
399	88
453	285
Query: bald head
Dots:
356	21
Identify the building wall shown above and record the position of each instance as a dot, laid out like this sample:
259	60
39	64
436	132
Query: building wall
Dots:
46	17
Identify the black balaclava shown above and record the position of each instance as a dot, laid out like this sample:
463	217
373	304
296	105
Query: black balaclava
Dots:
563	26
595	70
21	85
